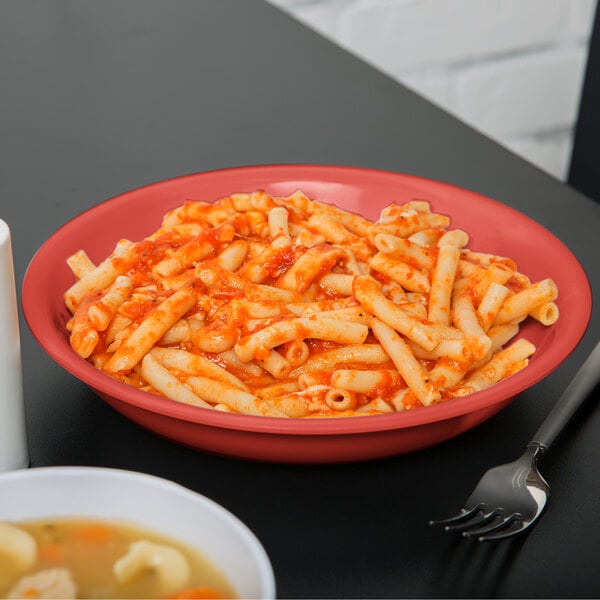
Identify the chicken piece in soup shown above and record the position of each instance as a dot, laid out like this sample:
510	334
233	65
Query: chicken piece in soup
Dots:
90	558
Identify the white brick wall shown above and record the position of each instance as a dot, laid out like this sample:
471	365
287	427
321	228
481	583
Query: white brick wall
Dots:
511	68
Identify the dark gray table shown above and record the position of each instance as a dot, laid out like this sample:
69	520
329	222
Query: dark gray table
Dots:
100	97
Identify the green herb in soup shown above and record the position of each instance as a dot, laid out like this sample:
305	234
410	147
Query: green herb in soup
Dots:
89	558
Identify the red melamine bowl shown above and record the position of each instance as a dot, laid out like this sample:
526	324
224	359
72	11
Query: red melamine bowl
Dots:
492	227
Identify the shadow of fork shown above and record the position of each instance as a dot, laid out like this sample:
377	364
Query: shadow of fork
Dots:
468	569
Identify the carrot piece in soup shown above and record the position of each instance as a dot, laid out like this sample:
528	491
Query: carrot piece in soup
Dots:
52	552
202	592
97	533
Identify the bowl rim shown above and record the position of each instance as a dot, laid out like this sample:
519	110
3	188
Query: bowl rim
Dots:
62	354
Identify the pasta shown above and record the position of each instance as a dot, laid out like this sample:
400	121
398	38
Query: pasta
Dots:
290	307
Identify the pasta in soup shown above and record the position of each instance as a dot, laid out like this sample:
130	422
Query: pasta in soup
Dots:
290	307
89	558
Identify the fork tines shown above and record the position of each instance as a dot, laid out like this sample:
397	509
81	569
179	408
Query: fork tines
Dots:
483	523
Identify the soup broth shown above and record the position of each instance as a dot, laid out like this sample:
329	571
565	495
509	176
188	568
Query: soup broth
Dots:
150	564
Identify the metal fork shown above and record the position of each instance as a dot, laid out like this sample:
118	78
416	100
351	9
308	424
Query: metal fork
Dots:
509	498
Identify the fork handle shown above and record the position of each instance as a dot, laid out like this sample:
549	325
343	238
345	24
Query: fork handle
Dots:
572	398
